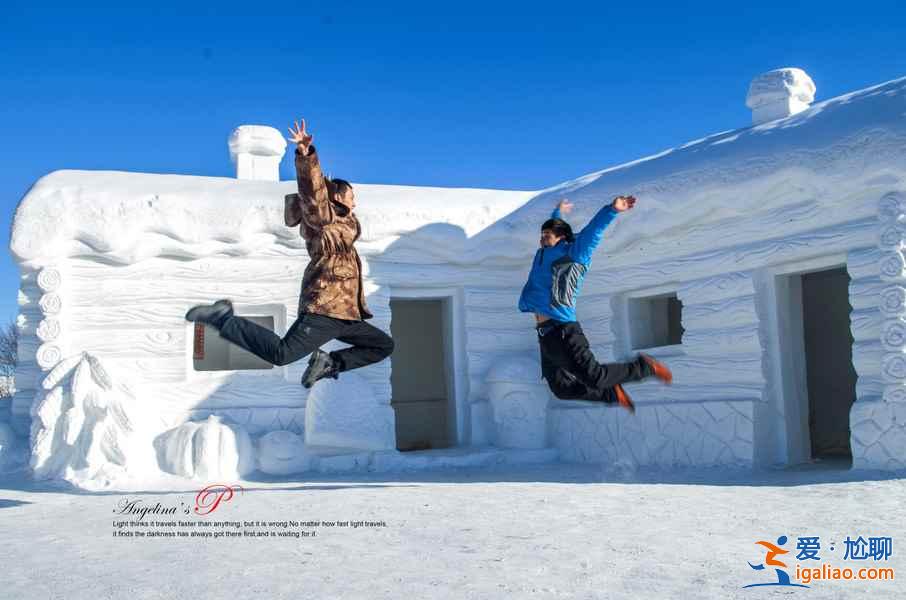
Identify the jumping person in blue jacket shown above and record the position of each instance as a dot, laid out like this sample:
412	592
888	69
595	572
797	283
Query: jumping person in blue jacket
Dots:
560	264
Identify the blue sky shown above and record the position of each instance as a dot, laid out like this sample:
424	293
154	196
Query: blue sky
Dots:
491	94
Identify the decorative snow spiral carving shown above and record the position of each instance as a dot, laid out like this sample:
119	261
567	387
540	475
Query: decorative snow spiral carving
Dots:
894	369
895	393
891	241
49	279
48	355
51	303
893	301
48	330
893	335
892	205
893	266
892	236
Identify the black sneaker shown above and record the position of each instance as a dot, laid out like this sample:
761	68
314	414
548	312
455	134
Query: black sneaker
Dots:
213	314
320	365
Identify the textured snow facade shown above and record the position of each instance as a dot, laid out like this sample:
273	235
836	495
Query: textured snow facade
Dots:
111	261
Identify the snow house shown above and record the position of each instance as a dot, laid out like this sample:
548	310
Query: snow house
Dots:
765	265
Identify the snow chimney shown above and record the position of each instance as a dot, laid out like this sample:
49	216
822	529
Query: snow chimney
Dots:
778	94
256	150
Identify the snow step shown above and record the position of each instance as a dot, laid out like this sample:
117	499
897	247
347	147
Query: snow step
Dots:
388	461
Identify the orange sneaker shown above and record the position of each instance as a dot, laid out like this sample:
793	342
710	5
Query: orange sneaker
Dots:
660	369
623	398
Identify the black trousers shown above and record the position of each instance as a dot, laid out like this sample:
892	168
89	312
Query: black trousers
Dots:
571	370
310	331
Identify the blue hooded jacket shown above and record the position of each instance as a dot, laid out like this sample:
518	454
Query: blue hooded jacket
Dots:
557	272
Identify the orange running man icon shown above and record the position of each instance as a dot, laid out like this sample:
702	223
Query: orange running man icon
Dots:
772	552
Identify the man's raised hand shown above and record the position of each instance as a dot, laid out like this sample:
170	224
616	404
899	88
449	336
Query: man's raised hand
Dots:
299	136
564	206
623	203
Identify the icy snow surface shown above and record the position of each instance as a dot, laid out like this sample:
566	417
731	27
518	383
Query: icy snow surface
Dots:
557	531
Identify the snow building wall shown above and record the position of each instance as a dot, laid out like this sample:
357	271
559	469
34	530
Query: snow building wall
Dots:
720	222
727	404
111	261
722	219
725	407
132	317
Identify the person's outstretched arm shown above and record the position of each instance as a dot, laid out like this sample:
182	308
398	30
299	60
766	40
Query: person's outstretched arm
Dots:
590	236
563	207
312	204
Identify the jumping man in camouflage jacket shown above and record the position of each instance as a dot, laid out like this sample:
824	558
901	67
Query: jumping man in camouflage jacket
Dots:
332	300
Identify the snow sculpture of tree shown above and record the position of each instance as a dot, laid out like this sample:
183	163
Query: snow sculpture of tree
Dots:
88	429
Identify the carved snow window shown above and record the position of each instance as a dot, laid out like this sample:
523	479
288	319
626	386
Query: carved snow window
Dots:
655	321
214	353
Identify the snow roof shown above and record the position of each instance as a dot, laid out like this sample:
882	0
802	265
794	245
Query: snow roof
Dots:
835	148
125	217
844	147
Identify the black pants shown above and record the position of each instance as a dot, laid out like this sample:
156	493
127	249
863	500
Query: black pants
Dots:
310	331
571	370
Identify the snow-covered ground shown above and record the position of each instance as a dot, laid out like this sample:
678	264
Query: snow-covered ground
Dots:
544	531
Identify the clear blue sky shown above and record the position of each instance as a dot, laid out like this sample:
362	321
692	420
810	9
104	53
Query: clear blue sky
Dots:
488	94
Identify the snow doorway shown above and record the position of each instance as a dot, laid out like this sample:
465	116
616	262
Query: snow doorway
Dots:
422	373
819	380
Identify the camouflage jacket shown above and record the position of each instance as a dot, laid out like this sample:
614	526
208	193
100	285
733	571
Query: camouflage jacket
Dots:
332	284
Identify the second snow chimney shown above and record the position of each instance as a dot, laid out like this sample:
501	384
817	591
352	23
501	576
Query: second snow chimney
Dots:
778	94
256	151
